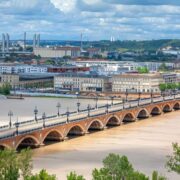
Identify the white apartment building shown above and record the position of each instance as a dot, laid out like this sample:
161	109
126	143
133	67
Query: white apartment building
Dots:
57	52
82	83
136	82
11	69
115	65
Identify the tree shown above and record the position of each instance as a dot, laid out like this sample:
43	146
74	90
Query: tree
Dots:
25	162
74	176
143	70
173	161
155	176
42	175
9	166
162	86
163	67
114	166
5	89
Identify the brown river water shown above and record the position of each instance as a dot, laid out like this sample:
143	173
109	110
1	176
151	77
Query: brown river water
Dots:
146	142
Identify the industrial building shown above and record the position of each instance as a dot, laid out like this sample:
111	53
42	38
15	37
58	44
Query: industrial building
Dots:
57	52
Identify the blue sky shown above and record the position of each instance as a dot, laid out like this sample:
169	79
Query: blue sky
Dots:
96	19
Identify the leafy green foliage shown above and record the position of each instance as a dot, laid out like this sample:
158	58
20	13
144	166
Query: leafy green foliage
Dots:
169	86
117	167
5	89
155	176
9	165
13	164
143	70
25	162
163	67
162	86
42	175
173	162
74	176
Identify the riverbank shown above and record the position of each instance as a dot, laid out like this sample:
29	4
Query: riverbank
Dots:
146	143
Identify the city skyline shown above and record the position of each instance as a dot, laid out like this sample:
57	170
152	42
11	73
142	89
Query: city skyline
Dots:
97	19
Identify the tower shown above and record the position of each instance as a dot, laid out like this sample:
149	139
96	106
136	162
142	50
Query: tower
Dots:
38	40
3	43
81	42
7	42
34	41
24	41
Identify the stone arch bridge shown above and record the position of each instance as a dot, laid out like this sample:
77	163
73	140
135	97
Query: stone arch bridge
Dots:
45	135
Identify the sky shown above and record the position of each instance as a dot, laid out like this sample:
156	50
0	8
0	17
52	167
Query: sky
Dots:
95	19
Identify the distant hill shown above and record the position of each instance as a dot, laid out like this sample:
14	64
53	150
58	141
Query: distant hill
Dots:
151	45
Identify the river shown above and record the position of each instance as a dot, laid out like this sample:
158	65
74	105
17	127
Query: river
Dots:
24	109
146	143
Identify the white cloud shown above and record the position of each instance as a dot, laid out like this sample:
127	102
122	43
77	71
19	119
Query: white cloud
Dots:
64	5
98	19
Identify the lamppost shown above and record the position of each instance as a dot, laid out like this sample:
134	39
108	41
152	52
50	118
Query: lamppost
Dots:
89	108
58	107
44	118
112	100
151	96
67	114
163	96
139	98
17	126
10	114
123	103
96	99
35	113
126	93
107	108
78	105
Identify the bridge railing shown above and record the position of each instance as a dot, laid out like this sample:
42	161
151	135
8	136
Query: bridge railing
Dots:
74	116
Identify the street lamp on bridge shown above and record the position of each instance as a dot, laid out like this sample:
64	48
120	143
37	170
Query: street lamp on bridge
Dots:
44	118
107	107
139	98
67	114
126	93
35	113
17	126
89	108
123	103
10	114
78	103
112	100
96	99
151	96
58	108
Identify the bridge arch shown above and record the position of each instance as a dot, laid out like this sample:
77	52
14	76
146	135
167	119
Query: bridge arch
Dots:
75	130
155	111
142	114
167	108
95	125
28	141
3	146
52	135
176	106
128	117
113	121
